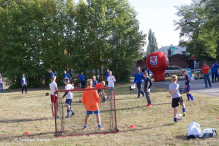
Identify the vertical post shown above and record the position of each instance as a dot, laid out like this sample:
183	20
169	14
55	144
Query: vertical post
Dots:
115	107
54	105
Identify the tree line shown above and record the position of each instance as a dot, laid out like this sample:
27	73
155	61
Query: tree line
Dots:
36	35
199	25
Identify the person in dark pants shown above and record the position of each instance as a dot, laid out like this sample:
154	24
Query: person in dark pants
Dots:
205	70
147	87
216	72
24	84
212	73
138	80
82	78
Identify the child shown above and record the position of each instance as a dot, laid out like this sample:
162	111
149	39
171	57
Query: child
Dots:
51	73
111	80
176	97
66	75
187	86
147	87
94	81
54	98
69	97
91	102
101	92
212	73
24	84
1	83
82	79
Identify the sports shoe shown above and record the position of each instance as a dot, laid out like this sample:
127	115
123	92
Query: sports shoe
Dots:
138	98
147	105
143	96
184	114
174	123
67	117
72	114
57	117
150	105
103	100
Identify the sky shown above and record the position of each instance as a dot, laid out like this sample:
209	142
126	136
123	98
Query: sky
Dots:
158	15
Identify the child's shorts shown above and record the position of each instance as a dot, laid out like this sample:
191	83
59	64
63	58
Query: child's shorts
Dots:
99	91
91	112
187	89
111	89
176	101
54	98
68	101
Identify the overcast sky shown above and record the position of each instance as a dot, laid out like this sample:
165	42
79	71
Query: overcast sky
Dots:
158	15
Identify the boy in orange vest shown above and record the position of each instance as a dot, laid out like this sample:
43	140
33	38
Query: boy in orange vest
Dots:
91	101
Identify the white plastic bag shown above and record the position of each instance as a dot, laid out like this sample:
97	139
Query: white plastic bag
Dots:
194	129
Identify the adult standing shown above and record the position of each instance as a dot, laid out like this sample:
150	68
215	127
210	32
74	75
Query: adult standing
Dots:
194	60
138	81
51	73
1	83
24	84
205	70
66	75
216	70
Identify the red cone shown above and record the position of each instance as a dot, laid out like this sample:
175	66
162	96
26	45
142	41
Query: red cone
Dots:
27	133
132	126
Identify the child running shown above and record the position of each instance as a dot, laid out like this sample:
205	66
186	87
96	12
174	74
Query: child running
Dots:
111	80
54	98
147	87
94	81
187	86
91	102
176	97
69	97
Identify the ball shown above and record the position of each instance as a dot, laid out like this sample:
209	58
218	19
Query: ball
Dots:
80	101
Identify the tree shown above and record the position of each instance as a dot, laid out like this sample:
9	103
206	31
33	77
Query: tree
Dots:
152	42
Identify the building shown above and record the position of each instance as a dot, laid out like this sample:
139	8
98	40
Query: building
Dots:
173	50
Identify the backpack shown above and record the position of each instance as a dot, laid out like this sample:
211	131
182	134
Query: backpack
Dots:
193	130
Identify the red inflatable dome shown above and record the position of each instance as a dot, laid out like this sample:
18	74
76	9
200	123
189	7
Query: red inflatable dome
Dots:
157	63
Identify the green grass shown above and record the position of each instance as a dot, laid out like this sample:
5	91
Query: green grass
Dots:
153	126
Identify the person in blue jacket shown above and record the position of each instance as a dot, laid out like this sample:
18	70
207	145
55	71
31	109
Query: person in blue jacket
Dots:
138	81
51	73
212	73
24	83
66	75
216	68
82	78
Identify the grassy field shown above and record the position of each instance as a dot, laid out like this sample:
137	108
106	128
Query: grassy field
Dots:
153	126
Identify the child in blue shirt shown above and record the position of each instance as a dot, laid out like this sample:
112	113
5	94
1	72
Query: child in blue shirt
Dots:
82	78
51	73
138	80
66	75
176	97
187	86
94	81
24	84
216	68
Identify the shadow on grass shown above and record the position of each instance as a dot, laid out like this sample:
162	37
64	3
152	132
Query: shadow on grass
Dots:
181	137
22	120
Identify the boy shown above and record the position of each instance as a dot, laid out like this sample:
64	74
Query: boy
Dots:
111	80
91	102
51	73
69	97
94	81
82	79
147	87
101	92
66	75
176	97
187	86
24	84
212	73
54	98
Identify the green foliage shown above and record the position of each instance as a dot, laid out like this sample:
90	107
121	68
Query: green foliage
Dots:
152	42
36	35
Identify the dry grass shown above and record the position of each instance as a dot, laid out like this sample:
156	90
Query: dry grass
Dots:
153	126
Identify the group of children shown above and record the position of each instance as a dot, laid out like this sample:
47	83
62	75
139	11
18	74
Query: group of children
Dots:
90	98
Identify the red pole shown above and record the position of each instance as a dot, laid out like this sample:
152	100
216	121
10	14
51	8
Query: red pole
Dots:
115	107
55	114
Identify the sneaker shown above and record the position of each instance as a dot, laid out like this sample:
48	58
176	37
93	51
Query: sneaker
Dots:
143	96
147	105
57	117
138	98
72	114
67	117
184	114
174	123
150	105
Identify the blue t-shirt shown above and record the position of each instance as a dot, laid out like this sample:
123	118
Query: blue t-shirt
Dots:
215	66
138	77
173	86
51	75
94	83
107	74
67	76
212	70
82	77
